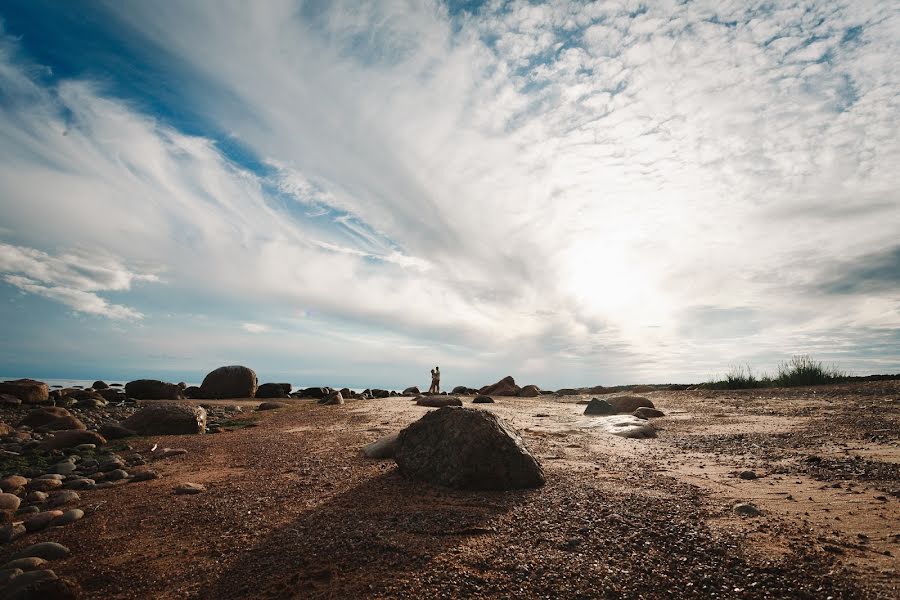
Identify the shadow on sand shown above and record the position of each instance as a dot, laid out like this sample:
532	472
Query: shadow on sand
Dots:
358	542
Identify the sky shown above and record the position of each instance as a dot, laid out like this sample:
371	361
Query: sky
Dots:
345	193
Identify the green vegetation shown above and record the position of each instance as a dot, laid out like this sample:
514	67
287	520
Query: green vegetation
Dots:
798	371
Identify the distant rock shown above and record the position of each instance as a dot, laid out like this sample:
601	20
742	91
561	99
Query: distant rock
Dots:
380	393
28	391
99	385
467	449
641	389
167	419
567	392
599	407
270	405
70	438
483	400
438	401
747	475
315	393
597	389
461	389
383	447
233	381
271	390
112	395
193	392
505	387
529	391
190	488
152	389
648	413
412	391
628	404
332	399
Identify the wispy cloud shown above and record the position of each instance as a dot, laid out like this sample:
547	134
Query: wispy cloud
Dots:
255	328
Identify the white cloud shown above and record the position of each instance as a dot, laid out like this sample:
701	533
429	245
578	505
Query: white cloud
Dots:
255	328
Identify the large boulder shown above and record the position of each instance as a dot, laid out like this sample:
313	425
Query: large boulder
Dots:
599	407
628	404
70	438
438	401
28	391
271	390
234	381
193	392
167	419
112	394
152	389
461	389
332	399
466	448
99	385
383	447
530	391
505	387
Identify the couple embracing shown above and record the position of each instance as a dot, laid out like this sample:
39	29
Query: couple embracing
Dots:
435	381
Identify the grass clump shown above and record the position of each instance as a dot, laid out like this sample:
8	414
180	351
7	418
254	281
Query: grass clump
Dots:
800	370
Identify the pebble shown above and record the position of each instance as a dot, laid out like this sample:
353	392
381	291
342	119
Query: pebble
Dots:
64	468
9	502
53	476
85	447
7	575
11	532
64	497
746	509
26	564
81	483
70	516
43	485
28	510
116	475
45	550
41	520
747	475
24	580
37	497
144	476
12	482
190	488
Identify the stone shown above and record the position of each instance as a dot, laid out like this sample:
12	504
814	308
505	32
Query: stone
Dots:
438	401
645	412
505	387
628	404
99	385
72	437
37	497
29	563
641	389
193	392
332	399
49	588
43	485
747	475
12	482
599	407
65	467
467	449
9	502
8	400
746	509
63	497
22	583
117	475
144	476
112	395
168	452
6	429
461	389
92	403
41	417
7	575
190	488
566	392
315	393
41	520
230	382
412	391
529	391
152	389
380	393
28	391
628	426
10	532
483	400
70	516
270	405
383	447
81	483
167	419
114	431
271	390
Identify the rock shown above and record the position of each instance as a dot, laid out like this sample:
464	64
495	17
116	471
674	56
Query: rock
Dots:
599	407
641	389
63	497
566	392
70	516
144	476
41	417
72	437
193	391
92	403
12	482
22	585
82	483
468	449
190	488
271	390
461	389
50	588
230	382
628	404
28	391
26	564
117	475
112	395
114	431
380	394
270	405
65	467
8	400
438	401
99	385
529	391
483	400
7	575
5	429
9	502
747	475
332	399
412	391
648	413
43	485
167	419
315	393
505	387
383	447
745	509
152	389
41	520
160	453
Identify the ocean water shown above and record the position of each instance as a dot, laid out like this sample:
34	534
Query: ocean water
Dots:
86	383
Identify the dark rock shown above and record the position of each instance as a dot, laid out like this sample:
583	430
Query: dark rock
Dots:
41	520
747	475
193	392
438	401
316	393
599	407
28	391
412	391
112	395
629	404
529	391
483	400
270	405
383	447
167	419
70	516
144	476
332	399
505	387
9	400
567	392
100	385
26	564
745	509
72	437
648	413
468	449
380	394
271	390
114	431
234	381
152	389
41	417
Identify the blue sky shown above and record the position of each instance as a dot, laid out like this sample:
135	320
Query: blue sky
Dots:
572	193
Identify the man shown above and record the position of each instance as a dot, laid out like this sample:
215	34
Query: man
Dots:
431	387
436	379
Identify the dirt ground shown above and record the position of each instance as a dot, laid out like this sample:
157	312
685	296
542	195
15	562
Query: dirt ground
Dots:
293	509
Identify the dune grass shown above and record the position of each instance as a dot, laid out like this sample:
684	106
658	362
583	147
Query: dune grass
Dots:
800	370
